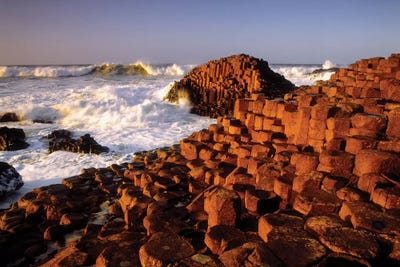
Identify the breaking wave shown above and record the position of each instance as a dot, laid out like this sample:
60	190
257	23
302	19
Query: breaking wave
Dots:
138	68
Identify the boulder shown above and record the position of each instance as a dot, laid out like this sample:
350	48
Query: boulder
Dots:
9	117
249	254
223	207
221	238
375	161
212	88
10	179
61	140
12	139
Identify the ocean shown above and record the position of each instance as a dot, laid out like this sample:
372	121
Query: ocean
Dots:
120	106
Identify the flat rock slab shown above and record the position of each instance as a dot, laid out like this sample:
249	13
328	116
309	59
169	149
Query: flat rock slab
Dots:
249	254
221	238
318	225
116	256
278	222
296	250
370	217
358	243
165	248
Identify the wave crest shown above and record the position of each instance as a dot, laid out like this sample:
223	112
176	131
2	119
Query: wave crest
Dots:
45	71
138	68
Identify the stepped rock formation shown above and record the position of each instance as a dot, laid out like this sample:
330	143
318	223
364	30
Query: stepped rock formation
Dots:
213	88
311	179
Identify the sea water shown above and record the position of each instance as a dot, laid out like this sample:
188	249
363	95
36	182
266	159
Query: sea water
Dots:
124	112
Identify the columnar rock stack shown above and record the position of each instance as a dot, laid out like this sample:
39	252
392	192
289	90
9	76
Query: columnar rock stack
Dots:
311	179
213	88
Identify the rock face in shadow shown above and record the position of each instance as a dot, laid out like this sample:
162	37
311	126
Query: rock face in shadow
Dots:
12	139
10	180
9	116
212	88
62	140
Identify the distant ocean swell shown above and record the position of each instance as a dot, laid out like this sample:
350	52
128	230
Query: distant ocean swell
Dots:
137	68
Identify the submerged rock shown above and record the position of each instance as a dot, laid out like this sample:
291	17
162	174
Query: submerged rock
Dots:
10	179
12	139
212	88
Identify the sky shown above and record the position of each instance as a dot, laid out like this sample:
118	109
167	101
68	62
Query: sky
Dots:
193	32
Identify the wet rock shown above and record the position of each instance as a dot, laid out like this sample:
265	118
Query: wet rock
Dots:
61	140
12	139
10	179
9	117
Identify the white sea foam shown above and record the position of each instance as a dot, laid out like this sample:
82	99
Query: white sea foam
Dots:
303	74
328	65
45	71
124	113
74	71
169	70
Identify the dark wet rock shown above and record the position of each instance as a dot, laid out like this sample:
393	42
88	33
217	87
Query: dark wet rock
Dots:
10	179
12	139
62	140
9	117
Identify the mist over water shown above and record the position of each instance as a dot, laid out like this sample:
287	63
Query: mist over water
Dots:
123	112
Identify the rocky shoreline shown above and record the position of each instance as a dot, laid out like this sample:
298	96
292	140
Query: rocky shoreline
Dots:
309	179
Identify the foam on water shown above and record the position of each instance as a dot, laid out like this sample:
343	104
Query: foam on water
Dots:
125	113
303	74
100	69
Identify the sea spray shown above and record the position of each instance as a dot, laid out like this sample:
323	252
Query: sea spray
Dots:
123	112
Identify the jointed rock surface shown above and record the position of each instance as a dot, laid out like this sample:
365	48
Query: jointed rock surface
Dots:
310	179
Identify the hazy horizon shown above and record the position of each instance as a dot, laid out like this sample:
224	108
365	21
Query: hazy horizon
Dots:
45	32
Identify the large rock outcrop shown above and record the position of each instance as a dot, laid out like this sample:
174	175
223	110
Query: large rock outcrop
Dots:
10	180
12	139
212	88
